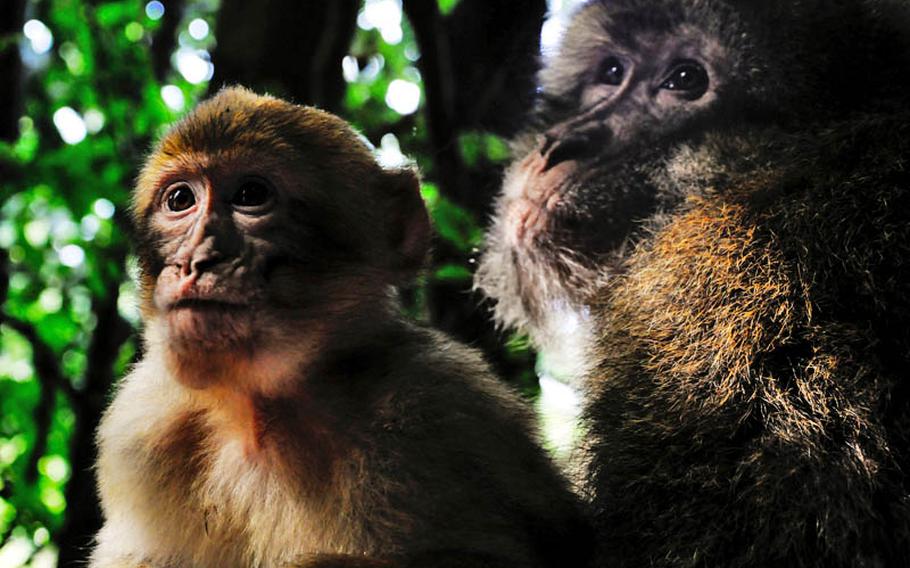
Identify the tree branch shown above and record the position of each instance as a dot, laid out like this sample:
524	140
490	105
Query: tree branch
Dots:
50	378
497	42
292	49
11	16
339	24
436	69
165	38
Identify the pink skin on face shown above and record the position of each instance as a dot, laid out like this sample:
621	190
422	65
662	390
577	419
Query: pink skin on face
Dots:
534	190
203	289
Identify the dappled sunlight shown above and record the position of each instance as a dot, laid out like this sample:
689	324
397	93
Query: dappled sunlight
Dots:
39	36
173	97
403	96
382	15
198	29
70	125
389	152
154	10
194	64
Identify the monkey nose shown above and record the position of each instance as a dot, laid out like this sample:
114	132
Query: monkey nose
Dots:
202	258
561	144
204	263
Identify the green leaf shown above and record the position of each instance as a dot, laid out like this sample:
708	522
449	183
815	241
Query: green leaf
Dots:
453	223
111	14
478	146
452	272
518	343
496	148
446	6
470	146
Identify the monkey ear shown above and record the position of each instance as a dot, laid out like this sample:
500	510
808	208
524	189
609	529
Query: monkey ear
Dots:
408	225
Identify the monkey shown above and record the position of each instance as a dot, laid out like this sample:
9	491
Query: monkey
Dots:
717	190
284	412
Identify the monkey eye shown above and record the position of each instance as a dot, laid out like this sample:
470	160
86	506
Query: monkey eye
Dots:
611	71
689	78
252	194
180	198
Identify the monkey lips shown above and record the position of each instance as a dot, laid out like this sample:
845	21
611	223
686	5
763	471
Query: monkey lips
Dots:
200	310
524	267
562	223
532	192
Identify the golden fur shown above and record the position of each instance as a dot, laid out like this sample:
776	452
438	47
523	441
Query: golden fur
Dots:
312	425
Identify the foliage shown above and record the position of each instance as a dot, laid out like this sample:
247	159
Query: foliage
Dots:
63	227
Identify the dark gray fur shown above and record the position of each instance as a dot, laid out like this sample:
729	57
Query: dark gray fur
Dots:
746	261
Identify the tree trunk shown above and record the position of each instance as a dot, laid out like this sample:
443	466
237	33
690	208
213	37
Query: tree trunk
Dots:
478	67
11	15
289	48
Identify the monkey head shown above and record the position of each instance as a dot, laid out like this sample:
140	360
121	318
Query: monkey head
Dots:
259	224
622	133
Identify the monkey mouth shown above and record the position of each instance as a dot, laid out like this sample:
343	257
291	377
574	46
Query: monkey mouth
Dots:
535	190
205	293
207	305
210	323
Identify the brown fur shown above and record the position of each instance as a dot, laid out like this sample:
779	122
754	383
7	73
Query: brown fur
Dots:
285	413
740	259
748	406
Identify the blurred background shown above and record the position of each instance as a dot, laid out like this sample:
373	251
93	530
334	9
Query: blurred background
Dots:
85	88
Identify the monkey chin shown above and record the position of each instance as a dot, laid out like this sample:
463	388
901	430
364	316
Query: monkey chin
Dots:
224	348
211	325
208	342
540	285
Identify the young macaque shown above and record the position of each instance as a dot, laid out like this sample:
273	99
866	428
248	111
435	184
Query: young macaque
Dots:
285	413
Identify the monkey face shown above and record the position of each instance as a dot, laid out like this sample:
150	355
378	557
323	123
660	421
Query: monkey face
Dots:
629	89
213	227
623	91
262	224
622	131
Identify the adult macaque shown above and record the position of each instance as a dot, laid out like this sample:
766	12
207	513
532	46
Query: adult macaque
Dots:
284	413
721	188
